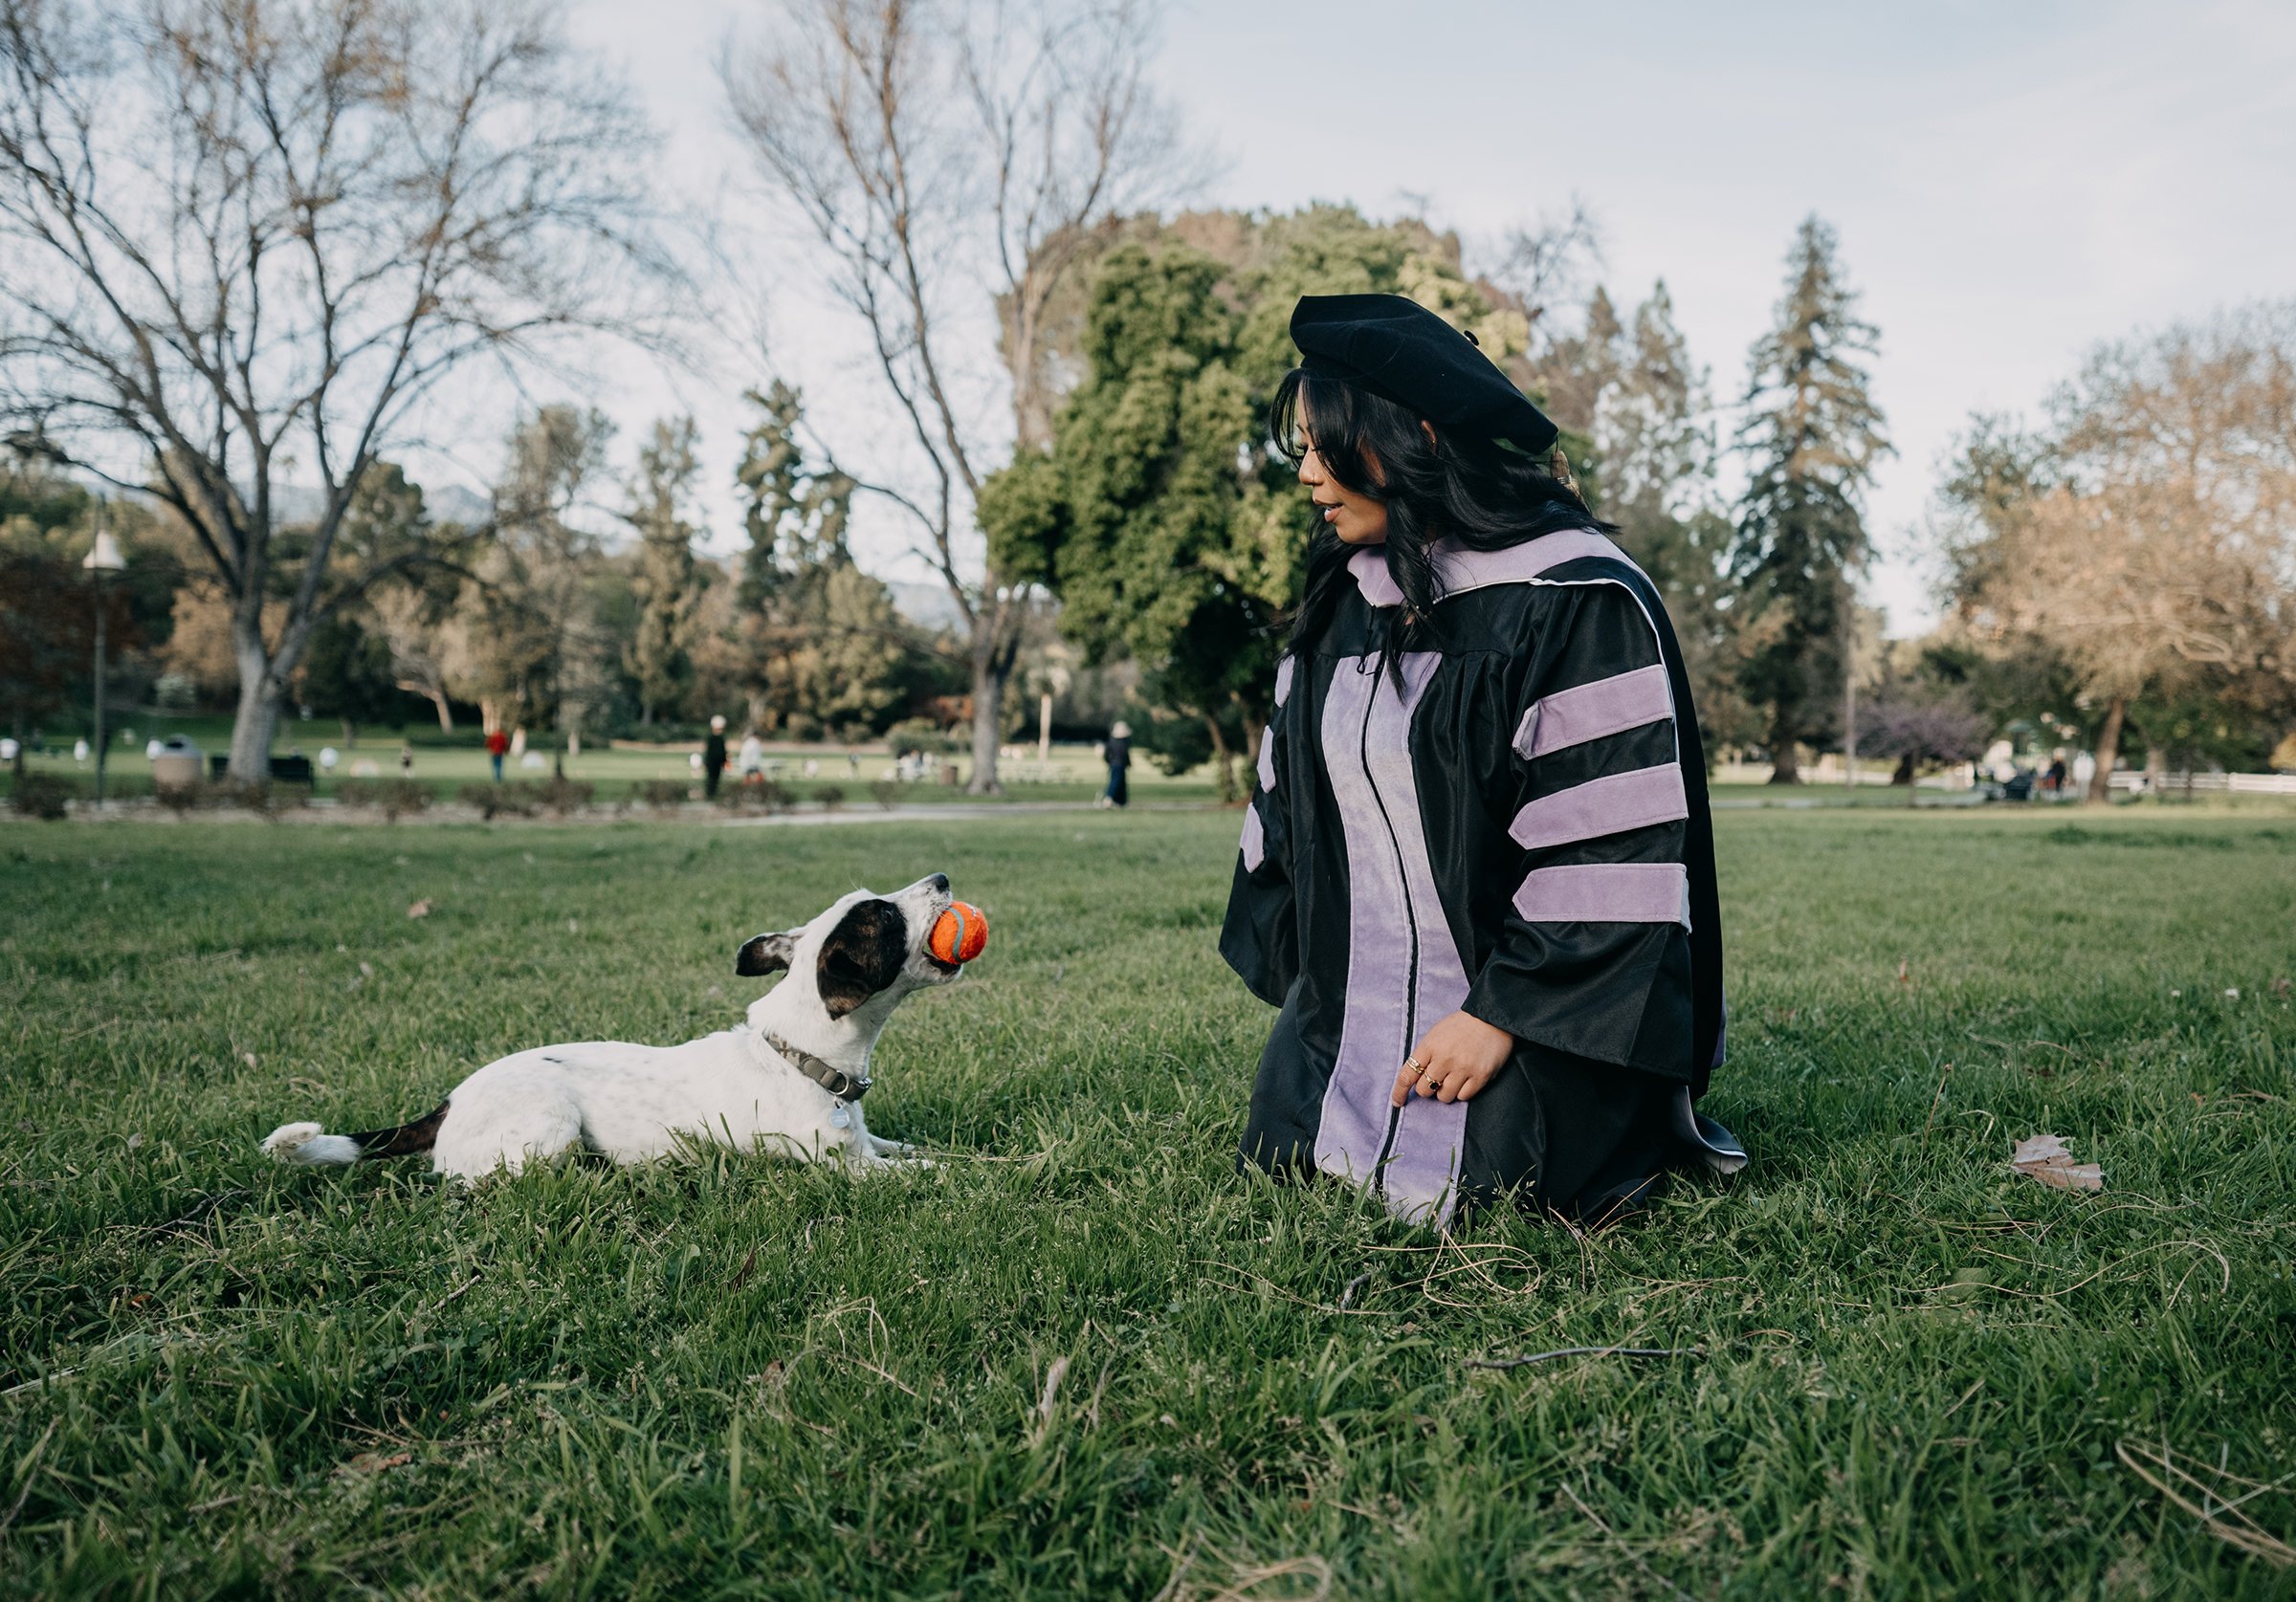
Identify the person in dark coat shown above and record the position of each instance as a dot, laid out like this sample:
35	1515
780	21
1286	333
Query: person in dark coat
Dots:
1117	753
713	757
1477	873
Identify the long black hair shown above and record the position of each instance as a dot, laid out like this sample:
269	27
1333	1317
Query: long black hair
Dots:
1475	492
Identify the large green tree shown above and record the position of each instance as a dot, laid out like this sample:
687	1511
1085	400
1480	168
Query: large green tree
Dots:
1812	437
1160	515
1133	518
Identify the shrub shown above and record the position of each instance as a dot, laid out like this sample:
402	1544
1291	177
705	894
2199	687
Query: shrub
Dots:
494	799
918	733
831	796
180	797
266	799
887	792
45	795
664	792
769	794
393	796
562	795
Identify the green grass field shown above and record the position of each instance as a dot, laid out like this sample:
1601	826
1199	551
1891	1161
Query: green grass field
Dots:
1921	1375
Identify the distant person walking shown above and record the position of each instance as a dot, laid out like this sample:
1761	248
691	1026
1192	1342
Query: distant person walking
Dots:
752	757
713	757
1116	752
406	760
497	742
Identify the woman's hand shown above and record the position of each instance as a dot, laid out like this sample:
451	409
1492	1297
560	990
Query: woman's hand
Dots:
1454	1060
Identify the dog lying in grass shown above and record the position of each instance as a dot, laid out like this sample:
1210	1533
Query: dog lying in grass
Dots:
790	1079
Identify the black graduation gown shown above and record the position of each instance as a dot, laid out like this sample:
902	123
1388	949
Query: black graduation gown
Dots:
1521	831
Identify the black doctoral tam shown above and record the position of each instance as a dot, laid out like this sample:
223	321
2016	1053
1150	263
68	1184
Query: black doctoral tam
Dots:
1398	348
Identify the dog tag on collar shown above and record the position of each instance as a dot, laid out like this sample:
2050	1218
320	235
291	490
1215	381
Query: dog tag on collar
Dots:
841	1116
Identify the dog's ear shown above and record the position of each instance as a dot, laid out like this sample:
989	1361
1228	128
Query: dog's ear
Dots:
766	953
862	954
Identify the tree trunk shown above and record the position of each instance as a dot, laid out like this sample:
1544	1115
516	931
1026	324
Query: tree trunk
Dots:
2108	750
1223	759
258	719
989	708
446	715
1905	770
350	734
1255	730
1784	766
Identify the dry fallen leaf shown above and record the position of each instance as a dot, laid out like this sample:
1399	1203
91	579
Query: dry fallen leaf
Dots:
375	1462
420	910
2045	1157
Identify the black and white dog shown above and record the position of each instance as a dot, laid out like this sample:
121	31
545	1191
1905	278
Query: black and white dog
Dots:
789	1080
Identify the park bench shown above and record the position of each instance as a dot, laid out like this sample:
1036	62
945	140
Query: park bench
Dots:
285	770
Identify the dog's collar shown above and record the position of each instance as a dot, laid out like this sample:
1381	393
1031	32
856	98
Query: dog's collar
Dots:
845	1087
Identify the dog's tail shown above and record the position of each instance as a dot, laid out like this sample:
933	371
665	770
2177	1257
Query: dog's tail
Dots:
309	1145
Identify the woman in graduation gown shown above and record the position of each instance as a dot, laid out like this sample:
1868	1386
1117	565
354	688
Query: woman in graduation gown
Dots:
1477	874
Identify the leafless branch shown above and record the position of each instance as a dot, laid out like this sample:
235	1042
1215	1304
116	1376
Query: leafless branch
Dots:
928	147
251	238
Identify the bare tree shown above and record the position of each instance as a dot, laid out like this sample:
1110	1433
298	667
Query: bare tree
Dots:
2165	560
1545	264
938	152
248	240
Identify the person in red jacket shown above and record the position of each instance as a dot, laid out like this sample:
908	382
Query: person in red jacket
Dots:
497	742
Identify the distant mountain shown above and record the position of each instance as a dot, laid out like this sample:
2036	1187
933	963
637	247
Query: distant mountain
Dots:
302	503
455	504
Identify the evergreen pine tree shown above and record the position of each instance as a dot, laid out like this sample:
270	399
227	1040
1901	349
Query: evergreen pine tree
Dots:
820	640
664	583
771	474
1811	437
1652	474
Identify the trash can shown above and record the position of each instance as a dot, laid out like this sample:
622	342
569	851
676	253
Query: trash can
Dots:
176	764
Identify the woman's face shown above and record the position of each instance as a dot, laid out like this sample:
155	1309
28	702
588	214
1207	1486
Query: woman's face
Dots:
1357	520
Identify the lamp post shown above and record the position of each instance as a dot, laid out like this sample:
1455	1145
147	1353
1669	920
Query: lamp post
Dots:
102	560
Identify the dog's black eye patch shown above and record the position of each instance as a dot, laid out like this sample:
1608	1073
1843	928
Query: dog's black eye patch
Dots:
863	954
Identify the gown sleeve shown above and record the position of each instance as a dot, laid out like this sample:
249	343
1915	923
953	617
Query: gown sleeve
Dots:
1260	938
1592	955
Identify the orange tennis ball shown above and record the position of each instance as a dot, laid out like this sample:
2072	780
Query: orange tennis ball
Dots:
959	934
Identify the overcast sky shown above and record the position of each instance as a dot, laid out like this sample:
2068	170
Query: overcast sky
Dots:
2009	182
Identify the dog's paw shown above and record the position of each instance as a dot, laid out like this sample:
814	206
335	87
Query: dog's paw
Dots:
288	1139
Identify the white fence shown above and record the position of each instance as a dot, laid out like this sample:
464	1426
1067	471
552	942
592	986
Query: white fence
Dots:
2208	783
